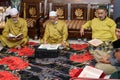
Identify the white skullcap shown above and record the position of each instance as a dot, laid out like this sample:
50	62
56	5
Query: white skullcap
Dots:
13	11
53	13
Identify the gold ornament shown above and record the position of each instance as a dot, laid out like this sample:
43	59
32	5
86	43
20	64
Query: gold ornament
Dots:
32	12
60	12
78	12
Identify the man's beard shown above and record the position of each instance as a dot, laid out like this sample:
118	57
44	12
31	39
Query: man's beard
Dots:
55	22
102	18
15	21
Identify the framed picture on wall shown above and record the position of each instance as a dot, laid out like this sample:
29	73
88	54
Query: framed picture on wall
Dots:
62	10
32	10
79	11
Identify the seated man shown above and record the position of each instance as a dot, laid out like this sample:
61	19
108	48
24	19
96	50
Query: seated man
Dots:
111	62
13	27
103	27
56	31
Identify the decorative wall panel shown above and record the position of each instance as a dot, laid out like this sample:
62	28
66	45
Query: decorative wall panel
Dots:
31	9
79	11
62	10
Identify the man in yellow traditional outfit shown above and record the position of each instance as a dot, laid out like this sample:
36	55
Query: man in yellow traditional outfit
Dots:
15	31
111	62
103	27
56	31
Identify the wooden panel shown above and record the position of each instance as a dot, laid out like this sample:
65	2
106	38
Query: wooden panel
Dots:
79	11
61	9
31	8
5	3
32	32
93	13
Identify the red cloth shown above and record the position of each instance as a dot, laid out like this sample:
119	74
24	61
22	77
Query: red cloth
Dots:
14	63
81	57
32	43
79	46
25	51
5	75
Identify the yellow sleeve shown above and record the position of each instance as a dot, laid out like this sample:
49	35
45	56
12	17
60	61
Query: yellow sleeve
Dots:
113	28
5	31
24	28
46	33
87	24
65	32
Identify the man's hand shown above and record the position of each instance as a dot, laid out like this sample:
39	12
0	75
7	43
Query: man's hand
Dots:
105	60
82	31
45	42
64	44
11	38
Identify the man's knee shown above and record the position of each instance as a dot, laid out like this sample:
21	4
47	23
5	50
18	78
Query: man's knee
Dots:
107	68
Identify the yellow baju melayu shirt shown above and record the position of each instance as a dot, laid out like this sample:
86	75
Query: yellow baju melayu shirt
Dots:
15	29
103	30
55	33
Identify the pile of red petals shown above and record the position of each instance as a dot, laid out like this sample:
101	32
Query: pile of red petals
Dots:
25	51
81	57
74	72
5	75
14	63
79	46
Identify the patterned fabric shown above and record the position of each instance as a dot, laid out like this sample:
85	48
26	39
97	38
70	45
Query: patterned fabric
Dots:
5	75
72	24
81	57
14	63
25	51
79	46
105	47
30	22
